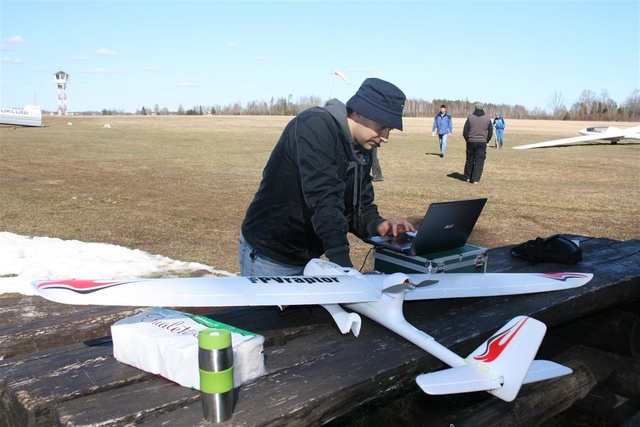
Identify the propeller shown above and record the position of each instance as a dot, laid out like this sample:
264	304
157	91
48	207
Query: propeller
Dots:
408	285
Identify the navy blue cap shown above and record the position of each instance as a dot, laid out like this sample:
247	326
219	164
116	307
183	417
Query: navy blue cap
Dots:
379	101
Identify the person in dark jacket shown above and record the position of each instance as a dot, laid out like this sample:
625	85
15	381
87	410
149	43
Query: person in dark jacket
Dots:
316	186
478	131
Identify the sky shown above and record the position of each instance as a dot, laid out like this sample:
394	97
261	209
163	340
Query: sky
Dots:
125	55
24	259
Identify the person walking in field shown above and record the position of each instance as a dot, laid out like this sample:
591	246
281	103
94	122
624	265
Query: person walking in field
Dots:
316	186
442	124
477	132
376	170
499	125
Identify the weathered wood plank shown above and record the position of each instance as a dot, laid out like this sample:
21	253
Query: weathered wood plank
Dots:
329	376
620	374
608	406
613	330
29	324
595	251
633	421
124	403
32	385
536	402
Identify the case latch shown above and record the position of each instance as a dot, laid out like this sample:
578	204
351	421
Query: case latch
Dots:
436	266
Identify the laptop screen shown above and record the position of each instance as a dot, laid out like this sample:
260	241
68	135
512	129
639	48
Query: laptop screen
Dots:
445	226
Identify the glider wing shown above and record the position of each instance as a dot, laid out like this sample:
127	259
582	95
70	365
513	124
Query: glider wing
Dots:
211	291
568	141
466	285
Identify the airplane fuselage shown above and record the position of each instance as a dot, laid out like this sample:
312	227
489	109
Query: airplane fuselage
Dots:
602	130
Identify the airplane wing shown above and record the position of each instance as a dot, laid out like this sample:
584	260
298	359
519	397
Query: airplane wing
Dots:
299	290
465	285
572	140
212	291
633	133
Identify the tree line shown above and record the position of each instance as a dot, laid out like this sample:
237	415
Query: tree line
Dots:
588	107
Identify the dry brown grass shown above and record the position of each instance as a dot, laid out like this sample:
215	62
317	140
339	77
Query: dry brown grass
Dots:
179	186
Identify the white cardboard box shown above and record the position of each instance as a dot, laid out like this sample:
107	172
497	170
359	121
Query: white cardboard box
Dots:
165	342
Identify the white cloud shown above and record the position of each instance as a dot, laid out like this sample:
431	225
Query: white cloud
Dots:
14	39
7	60
99	70
232	44
106	52
188	84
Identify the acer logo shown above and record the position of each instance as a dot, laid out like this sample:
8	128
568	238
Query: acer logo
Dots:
446	227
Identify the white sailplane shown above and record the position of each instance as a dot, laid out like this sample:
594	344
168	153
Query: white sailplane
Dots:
30	115
499	366
593	133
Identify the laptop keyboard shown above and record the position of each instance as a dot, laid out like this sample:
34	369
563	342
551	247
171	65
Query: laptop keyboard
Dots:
400	239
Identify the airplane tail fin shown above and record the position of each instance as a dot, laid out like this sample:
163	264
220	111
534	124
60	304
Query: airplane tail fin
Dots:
500	365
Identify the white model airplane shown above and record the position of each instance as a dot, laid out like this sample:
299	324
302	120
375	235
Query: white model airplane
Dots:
594	133
500	365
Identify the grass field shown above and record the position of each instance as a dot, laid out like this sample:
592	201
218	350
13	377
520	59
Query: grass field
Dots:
179	185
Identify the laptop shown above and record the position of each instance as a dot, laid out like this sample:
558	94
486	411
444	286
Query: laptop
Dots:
445	226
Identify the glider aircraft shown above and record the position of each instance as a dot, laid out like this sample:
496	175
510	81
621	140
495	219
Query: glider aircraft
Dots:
30	115
594	133
499	366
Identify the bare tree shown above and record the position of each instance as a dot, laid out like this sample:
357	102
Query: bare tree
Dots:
585	106
631	106
308	102
607	108
557	105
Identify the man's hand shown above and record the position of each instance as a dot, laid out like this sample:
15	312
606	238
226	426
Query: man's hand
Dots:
393	227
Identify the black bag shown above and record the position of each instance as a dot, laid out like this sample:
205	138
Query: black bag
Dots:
551	249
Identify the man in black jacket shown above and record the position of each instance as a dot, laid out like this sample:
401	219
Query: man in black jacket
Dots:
478	132
316	186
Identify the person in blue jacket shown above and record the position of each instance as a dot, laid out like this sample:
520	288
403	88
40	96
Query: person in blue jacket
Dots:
316	186
499	125
442	124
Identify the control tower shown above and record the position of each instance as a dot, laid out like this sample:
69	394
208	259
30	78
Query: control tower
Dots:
61	79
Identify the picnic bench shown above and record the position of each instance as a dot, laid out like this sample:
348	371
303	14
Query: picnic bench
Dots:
57	366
